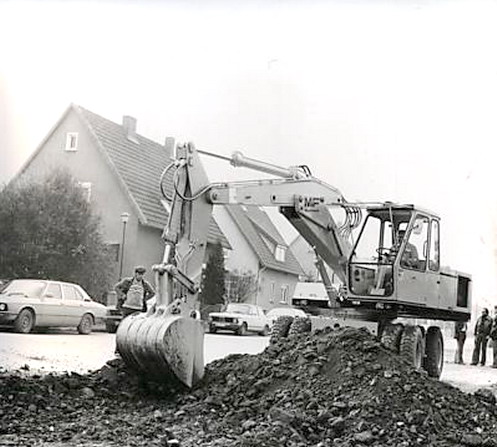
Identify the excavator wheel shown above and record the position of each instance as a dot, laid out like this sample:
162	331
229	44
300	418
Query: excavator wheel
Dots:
412	346
300	325
434	352
280	328
391	335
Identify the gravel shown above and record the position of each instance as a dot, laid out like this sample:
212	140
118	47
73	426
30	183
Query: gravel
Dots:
329	388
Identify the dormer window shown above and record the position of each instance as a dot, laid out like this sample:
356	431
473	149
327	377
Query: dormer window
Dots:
72	141
280	253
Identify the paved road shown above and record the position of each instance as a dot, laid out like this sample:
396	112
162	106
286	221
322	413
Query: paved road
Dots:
59	351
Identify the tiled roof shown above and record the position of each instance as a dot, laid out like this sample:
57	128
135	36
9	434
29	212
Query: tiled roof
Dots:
140	165
256	225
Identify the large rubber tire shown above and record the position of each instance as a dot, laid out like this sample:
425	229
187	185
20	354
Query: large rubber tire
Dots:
242	330
412	346
25	321
299	326
391	335
265	331
434	352
281	327
86	324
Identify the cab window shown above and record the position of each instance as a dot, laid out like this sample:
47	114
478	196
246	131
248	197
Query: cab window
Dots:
415	250
434	263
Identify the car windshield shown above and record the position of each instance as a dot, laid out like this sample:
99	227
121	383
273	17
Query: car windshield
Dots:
24	287
237	308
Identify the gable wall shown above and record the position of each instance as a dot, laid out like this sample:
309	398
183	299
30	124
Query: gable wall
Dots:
87	164
242	257
280	280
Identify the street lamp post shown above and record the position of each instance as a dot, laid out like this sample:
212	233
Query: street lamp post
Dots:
124	220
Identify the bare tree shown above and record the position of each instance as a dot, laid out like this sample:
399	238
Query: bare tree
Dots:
240	286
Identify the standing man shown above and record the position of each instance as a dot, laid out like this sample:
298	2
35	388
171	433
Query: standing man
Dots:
482	331
460	336
133	293
493	336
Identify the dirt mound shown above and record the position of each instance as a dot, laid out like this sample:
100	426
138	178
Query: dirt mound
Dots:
330	388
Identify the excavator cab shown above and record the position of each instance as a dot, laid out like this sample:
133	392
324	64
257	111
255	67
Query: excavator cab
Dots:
396	242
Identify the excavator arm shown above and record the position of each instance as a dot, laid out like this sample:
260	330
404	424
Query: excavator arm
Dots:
168	340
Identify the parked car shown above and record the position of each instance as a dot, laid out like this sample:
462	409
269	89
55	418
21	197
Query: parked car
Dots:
27	304
113	315
277	312
240	318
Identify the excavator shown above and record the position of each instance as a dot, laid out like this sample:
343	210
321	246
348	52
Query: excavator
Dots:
386	255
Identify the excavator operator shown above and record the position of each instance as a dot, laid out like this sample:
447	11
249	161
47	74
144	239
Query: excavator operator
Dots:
410	258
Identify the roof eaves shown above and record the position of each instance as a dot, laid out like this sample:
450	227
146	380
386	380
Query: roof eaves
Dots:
262	230
237	218
141	216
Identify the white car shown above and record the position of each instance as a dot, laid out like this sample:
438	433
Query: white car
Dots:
240	318
26	304
277	312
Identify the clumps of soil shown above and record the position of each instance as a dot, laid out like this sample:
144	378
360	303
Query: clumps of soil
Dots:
329	388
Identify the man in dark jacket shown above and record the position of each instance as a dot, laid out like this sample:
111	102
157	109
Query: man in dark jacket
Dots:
482	331
493	336
133	293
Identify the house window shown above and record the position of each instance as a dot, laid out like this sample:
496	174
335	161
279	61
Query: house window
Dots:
72	141
284	294
86	187
279	253
272	290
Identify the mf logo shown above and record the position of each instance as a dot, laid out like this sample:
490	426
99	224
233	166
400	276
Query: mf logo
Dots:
306	203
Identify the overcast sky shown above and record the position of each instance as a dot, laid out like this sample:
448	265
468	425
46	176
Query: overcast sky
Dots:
386	100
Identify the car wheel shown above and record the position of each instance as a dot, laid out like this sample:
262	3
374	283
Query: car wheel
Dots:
25	321
212	329
111	327
242	330
265	331
86	324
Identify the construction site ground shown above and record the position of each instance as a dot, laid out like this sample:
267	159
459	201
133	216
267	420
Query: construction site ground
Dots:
337	388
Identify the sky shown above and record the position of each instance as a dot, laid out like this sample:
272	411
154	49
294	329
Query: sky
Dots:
386	100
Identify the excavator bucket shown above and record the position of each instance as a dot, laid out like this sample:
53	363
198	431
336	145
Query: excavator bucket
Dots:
166	344
163	347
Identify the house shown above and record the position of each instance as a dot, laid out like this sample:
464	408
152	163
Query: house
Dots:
306	258
120	172
259	249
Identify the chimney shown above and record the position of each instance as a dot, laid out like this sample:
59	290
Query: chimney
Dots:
169	145
129	125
